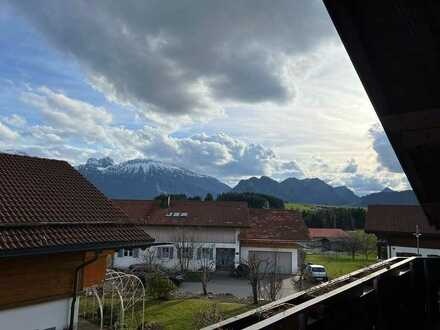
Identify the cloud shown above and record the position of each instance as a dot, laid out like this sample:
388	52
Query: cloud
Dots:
350	167
7	134
385	154
186	57
80	130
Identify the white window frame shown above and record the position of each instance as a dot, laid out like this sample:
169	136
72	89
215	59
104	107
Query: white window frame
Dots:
128	252
169	254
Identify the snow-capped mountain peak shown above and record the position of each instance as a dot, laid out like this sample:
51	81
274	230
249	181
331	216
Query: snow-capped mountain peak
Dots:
147	178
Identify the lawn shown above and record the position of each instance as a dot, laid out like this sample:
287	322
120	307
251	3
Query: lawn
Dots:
177	314
300	207
341	264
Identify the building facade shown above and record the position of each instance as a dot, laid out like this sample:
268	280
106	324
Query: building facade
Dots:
397	228
226	233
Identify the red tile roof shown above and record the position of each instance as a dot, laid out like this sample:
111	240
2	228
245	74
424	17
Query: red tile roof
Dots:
330	233
188	213
269	225
398	219
48	204
136	209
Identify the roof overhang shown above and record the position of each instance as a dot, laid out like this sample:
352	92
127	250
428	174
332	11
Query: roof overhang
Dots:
394	47
75	248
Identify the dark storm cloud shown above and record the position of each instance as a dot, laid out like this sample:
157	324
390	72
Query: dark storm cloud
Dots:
183	56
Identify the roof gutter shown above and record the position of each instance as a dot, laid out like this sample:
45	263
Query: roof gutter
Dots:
75	287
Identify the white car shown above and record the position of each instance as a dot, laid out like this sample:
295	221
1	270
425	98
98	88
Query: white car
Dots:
316	273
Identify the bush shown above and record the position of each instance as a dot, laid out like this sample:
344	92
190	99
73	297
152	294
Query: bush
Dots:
159	287
212	314
152	326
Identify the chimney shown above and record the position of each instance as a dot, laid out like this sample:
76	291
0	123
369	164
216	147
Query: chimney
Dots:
169	201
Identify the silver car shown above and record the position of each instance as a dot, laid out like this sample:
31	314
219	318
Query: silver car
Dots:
316	273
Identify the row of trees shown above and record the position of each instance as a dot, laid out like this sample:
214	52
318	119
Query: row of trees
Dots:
254	200
335	217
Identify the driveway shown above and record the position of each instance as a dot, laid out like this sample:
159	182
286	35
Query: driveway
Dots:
222	283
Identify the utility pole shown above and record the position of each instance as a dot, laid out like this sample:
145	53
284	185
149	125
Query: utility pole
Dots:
417	234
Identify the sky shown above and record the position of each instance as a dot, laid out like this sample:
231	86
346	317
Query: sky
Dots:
232	89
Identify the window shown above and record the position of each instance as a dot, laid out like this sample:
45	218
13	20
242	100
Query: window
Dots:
128	252
203	252
187	252
165	252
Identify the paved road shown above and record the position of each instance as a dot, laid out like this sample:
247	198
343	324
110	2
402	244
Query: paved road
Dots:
223	283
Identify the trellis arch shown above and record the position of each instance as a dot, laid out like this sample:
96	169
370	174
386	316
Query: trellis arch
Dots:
117	304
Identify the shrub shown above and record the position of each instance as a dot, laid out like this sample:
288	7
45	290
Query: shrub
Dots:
159	287
152	326
210	315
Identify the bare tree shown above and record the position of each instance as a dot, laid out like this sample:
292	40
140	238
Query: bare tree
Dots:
257	267
184	241
272	282
151	259
205	258
298	280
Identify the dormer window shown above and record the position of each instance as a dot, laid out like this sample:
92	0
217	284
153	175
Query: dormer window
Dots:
176	214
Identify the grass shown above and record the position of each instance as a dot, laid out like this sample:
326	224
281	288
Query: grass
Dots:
177	314
300	207
340	264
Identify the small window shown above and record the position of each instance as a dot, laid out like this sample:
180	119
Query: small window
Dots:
128	252
165	252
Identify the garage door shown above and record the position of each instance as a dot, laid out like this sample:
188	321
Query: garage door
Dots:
282	261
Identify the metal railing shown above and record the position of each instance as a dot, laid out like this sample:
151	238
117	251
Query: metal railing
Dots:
399	293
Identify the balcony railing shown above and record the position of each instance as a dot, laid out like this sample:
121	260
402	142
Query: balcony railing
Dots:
396	294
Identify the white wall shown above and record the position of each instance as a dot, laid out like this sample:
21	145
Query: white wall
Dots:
53	315
424	252
244	254
172	263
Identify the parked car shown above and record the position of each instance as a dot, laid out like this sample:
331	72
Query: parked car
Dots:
316	273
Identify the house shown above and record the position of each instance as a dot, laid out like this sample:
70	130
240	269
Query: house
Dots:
395	227
226	232
189	226
56	231
274	236
328	238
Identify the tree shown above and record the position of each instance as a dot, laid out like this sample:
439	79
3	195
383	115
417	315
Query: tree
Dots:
360	241
254	200
184	240
151	260
164	199
353	243
209	197
272	282
298	280
257	268
205	258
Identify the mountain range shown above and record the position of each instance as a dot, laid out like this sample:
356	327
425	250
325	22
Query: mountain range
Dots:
146	178
316	191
